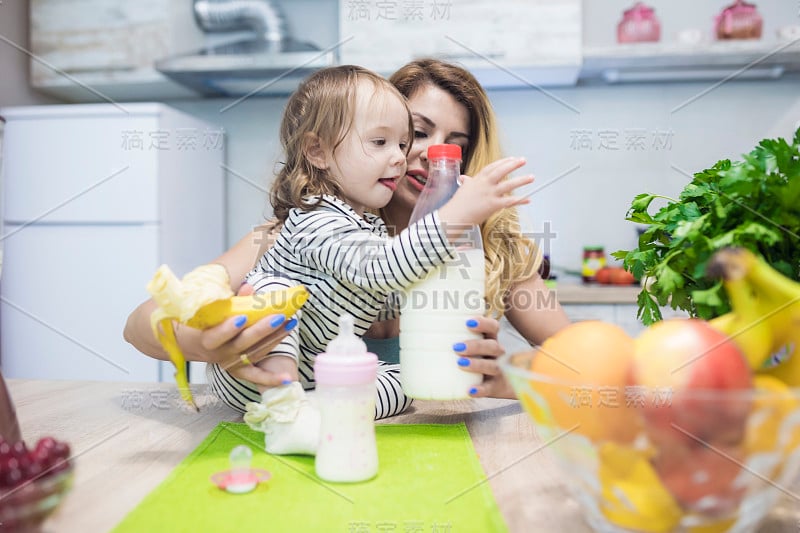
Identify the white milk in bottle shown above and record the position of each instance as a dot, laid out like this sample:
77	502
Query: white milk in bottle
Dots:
434	311
345	374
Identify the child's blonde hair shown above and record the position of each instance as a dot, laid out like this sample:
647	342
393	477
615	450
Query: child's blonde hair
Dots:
321	109
510	255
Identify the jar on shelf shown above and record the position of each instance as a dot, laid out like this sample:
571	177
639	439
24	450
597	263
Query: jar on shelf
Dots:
639	24
739	20
594	258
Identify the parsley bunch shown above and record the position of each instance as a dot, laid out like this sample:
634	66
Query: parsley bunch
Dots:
754	203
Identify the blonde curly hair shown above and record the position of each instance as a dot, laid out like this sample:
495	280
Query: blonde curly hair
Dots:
510	256
321	108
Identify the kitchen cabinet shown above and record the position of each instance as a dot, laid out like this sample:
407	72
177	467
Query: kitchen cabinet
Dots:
101	50
653	62
623	315
609	303
688	49
506	43
110	50
96	197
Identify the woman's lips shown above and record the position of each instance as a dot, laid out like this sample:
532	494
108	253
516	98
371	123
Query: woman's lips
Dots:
417	180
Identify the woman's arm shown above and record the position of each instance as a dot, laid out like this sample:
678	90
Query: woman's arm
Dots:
534	311
219	343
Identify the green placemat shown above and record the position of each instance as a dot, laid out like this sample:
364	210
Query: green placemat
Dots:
429	480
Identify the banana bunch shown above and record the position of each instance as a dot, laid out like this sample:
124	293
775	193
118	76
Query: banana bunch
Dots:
765	316
202	299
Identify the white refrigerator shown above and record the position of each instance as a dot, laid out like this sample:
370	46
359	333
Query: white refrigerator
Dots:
96	197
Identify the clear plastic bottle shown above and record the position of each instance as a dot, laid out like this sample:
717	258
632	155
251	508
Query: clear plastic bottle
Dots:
345	374
434	311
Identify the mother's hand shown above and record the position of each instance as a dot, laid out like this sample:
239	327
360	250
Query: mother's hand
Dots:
237	349
480	356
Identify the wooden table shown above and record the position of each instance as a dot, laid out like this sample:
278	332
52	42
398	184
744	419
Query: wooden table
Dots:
126	438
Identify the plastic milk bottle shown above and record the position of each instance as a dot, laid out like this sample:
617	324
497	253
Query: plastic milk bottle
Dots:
345	374
434	311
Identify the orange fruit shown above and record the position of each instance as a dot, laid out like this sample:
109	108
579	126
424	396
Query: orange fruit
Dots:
587	365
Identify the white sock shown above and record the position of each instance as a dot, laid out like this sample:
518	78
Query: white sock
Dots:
290	423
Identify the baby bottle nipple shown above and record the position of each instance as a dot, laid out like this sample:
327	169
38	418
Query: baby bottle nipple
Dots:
347	342
242	479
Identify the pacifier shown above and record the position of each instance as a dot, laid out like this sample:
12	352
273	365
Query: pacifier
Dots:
240	479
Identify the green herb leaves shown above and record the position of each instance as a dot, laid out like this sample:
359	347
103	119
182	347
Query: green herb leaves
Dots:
753	203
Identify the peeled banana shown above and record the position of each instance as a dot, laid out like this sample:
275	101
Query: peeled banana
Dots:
765	312
203	299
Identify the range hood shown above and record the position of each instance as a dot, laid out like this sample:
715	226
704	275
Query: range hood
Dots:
268	62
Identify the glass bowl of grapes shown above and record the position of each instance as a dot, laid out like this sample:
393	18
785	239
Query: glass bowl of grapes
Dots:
33	482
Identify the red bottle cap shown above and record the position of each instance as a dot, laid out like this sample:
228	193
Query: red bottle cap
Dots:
450	151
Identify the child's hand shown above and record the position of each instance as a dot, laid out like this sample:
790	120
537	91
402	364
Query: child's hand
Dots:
262	379
481	196
266	372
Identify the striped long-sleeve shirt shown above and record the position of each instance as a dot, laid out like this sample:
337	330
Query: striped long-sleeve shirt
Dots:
349	265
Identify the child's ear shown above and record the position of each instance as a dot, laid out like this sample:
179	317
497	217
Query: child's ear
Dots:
314	151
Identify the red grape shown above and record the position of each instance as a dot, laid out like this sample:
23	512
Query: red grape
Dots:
45	443
18	463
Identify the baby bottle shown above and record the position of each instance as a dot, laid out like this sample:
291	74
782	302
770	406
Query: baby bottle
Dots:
345	376
434	311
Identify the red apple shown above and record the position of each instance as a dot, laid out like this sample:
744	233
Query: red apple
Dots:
698	428
702	378
702	478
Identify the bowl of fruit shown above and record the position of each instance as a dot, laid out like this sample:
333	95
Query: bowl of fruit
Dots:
33	482
693	425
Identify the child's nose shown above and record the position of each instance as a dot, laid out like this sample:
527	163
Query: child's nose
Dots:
399	156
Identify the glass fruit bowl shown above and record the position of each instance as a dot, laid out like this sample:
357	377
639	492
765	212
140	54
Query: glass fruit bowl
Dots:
663	460
32	482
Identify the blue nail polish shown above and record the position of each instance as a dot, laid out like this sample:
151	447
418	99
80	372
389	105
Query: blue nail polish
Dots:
286	381
289	325
459	347
240	321
277	320
463	361
473	391
472	323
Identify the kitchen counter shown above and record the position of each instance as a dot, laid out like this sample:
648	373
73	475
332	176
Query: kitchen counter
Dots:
127	437
576	292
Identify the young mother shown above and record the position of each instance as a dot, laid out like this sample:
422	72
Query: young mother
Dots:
448	105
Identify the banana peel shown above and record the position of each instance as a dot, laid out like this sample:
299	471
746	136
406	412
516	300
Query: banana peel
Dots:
203	299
